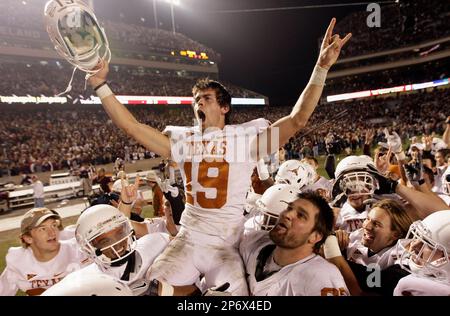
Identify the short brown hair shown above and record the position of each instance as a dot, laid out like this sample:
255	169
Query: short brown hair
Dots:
223	97
325	217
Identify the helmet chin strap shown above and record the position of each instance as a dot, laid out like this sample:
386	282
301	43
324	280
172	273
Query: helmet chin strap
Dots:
123	260
69	86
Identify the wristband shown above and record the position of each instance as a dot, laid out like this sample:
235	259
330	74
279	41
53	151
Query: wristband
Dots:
100	85
166	289
331	247
318	76
104	91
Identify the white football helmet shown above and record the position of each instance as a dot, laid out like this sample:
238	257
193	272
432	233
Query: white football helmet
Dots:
274	201
355	176
117	186
426	248
88	284
294	172
105	219
445	187
76	34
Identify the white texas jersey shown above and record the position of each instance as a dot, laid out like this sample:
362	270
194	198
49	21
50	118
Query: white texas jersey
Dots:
350	219
147	249
216	169
358	253
24	272
311	276
412	285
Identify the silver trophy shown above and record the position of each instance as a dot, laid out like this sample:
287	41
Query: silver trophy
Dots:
77	36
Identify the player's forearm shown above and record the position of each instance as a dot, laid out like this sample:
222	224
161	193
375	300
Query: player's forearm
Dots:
118	113
349	276
424	203
309	98
446	135
147	136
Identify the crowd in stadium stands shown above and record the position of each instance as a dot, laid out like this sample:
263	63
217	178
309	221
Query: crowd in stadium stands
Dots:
418	73
407	24
37	79
38	140
133	38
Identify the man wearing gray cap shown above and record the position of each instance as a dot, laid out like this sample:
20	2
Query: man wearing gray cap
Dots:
43	260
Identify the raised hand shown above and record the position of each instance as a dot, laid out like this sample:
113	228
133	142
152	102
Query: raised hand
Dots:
128	194
100	76
428	141
331	47
394	141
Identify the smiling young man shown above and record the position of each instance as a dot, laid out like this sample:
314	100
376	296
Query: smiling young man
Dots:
216	161
283	262
43	260
371	247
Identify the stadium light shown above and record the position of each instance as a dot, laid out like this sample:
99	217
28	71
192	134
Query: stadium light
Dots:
172	11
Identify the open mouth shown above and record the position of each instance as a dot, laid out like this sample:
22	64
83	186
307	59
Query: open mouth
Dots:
368	236
201	115
52	240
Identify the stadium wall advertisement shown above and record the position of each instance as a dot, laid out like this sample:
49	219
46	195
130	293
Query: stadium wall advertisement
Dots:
376	92
129	100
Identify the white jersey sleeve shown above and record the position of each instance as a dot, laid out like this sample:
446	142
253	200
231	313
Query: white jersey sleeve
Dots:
216	168
412	285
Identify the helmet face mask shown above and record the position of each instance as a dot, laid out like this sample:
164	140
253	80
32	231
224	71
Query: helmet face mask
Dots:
355	175
105	234
76	34
423	256
358	183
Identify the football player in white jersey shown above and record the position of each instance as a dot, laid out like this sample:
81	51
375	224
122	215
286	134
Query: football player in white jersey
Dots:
372	247
354	179
216	161
43	260
283	262
426	254
106	236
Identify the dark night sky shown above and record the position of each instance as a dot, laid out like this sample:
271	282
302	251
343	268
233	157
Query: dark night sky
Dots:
272	53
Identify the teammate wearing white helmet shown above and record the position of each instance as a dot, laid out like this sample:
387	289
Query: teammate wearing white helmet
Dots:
106	236
356	181
269	207
426	254
296	173
283	262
